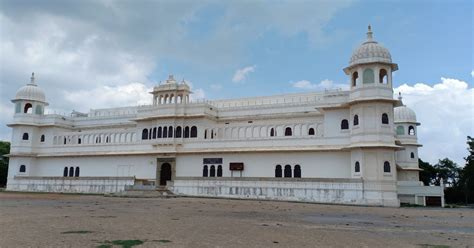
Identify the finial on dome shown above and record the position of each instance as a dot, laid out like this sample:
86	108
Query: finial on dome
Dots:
399	96
32	82
369	33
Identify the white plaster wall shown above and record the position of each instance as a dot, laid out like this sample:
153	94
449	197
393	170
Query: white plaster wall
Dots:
313	164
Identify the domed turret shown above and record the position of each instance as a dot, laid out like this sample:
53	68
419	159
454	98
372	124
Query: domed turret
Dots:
31	92
404	114
370	52
171	92
29	98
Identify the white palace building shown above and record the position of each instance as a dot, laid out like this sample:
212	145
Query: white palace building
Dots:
355	147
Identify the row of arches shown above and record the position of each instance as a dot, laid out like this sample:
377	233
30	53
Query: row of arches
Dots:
368	77
210	171
26	136
272	131
355	121
104	138
287	171
171	98
169	132
71	172
28	108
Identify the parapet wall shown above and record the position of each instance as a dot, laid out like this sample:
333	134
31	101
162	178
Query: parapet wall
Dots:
335	191
97	185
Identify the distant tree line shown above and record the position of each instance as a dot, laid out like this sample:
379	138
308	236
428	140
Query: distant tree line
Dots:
459	181
4	149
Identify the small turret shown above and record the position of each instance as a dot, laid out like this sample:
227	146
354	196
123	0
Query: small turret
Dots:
30	99
171	92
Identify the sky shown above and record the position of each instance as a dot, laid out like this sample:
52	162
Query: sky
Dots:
93	54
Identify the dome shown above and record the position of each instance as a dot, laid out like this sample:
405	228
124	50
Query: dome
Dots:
30	92
404	114
369	52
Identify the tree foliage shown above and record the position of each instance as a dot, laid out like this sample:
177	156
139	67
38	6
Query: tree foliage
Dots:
4	149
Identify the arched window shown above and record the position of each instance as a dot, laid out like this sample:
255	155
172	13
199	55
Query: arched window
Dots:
368	76
71	171
65	172
160	133
194	132
357	167
278	172
384	118
79	141
28	108
272	132
154	133
107	139
297	171
287	170
186	132
97	139
288	131
213	171
42	138
144	134
219	171
412	155
205	171
65	139
411	130
149	133
178	132
22	168
170	131
344	124
165	132
386	167
77	172
355	76
400	130
356	120
205	134
311	131
25	136
383	76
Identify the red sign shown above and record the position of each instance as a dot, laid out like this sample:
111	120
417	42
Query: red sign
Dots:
236	166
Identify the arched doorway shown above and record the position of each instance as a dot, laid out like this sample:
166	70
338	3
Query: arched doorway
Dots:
165	173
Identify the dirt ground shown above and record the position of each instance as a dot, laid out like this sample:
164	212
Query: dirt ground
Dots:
58	220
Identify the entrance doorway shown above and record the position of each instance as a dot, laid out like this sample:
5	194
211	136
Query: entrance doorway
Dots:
165	173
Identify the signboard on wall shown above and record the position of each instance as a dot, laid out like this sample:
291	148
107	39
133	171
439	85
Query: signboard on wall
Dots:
236	166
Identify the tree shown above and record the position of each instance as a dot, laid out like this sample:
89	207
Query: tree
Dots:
4	149
428	173
466	180
448	171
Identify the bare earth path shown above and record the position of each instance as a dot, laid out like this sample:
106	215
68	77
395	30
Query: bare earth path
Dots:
55	220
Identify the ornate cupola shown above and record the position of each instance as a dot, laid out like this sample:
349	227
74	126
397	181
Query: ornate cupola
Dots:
171	92
30	99
370	70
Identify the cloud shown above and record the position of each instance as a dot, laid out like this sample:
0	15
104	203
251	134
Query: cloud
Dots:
324	84
446	113
241	74
472	73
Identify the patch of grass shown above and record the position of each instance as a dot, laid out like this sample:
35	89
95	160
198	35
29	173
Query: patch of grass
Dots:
77	232
123	243
433	246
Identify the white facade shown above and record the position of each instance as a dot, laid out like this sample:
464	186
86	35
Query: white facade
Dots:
334	146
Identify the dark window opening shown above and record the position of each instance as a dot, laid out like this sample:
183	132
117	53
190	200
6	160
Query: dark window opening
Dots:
384	118
287	170
219	171
165	132
25	136
386	166
311	131
355	75
213	171
278	172
170	131
412	155
42	138
71	171
288	131
22	168
186	132
65	172
178	132
356	120
194	132
28	108
272	132
205	171
79	141
411	130
154	133
77	172
159	134
357	167
144	134
344	124
383	76
297	171
205	134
